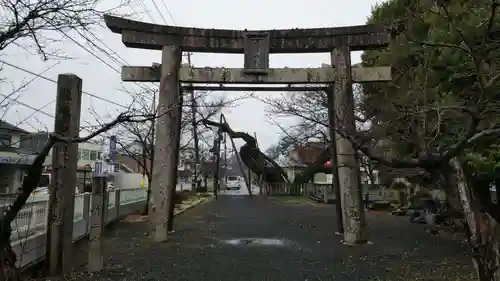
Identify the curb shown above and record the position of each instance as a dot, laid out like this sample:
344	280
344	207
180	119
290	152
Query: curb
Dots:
194	204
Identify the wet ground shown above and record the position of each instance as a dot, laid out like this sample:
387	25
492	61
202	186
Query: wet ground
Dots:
242	238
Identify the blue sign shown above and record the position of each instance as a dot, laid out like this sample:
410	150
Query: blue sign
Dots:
98	169
112	150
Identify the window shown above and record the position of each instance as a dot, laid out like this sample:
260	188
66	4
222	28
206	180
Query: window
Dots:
93	155
83	154
24	142
99	155
5	140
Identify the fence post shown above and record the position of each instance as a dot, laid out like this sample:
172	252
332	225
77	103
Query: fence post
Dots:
98	222
117	202
64	166
33	219
86	211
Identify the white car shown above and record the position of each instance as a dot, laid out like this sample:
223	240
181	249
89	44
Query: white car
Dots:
233	183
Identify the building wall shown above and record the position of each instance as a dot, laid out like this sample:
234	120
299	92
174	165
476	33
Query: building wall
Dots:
89	153
10	178
290	172
131	163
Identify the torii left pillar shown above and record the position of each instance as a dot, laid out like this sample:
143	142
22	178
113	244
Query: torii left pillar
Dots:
167	136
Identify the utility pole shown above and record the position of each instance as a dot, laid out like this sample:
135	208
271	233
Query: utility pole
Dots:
194	107
258	163
225	158
194	183
217	158
149	146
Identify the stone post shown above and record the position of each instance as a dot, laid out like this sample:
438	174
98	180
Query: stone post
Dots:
86	210
333	158
64	165
97	223
163	183
348	166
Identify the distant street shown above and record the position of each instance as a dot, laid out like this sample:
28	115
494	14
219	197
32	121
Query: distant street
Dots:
242	191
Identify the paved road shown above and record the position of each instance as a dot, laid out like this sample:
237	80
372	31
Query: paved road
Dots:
204	247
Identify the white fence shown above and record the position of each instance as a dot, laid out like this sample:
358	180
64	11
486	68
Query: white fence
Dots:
29	227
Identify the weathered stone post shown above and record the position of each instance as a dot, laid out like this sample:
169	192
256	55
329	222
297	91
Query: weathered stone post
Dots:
333	158
64	164
347	163
163	183
86	210
97	223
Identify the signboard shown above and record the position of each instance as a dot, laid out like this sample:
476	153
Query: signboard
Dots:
98	169
13	158
112	150
256	53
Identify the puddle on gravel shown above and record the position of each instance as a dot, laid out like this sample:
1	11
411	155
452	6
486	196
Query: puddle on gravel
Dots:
256	241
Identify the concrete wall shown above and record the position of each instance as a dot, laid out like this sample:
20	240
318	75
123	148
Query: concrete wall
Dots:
10	177
129	180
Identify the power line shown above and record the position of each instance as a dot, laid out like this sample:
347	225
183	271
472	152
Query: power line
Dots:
168	11
54	81
147	11
9	96
158	9
31	107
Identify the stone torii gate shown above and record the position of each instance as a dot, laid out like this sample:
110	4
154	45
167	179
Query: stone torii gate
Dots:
256	47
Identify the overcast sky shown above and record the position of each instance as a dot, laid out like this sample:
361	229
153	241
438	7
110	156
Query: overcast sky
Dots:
101	80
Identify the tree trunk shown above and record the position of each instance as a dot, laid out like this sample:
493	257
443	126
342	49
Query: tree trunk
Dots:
482	230
448	183
8	269
148	198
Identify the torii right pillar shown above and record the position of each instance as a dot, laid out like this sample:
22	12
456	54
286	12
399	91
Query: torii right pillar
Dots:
353	213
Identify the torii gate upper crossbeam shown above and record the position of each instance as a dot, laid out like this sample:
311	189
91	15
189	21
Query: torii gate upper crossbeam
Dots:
136	34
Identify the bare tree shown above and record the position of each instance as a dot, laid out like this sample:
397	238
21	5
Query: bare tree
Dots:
143	134
32	25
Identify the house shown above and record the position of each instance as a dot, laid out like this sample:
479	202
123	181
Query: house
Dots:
16	154
88	152
130	158
306	154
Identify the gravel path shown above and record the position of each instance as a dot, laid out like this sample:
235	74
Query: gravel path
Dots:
203	247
